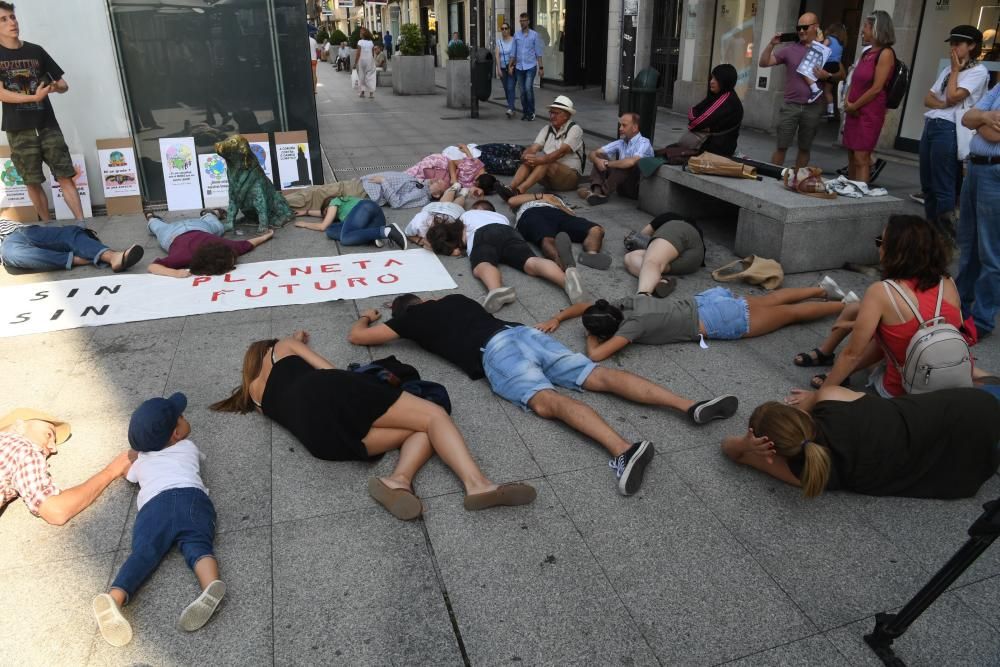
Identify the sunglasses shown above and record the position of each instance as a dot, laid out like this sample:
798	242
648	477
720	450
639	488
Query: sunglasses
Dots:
505	27
803	28
878	241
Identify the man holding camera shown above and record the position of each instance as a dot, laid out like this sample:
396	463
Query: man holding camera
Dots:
28	75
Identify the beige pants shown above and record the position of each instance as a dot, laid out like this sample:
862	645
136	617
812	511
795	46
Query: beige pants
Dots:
312	197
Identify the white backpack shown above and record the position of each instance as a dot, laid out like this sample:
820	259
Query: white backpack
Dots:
938	356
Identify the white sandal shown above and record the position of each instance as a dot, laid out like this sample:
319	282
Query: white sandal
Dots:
198	612
113	626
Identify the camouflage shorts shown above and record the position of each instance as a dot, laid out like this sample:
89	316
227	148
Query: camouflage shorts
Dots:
29	148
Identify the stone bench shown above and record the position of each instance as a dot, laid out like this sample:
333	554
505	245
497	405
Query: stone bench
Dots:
383	79
803	233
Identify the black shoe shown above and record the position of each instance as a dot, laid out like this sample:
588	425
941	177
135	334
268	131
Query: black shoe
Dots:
505	191
396	235
843	171
630	466
720	407
665	287
876	170
636	241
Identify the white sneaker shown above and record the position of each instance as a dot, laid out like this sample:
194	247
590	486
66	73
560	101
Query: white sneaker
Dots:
498	298
115	629
574	286
852	298
832	289
198	612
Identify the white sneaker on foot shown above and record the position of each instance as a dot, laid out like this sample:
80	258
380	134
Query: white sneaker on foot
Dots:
198	612
115	629
832	289
574	286
851	297
497	298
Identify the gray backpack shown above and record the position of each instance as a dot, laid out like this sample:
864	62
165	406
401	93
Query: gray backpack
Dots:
938	356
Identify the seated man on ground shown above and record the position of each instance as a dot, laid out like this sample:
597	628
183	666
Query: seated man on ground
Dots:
27	439
714	314
555	159
616	165
489	240
524	365
194	246
546	221
55	247
354	221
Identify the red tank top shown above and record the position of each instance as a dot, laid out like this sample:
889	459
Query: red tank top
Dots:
896	337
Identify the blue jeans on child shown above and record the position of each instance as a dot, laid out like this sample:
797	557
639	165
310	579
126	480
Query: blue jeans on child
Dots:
522	361
166	232
49	247
978	279
365	223
526	79
725	316
939	167
185	516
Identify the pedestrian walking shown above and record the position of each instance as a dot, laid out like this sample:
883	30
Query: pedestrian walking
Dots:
528	52
364	64
504	58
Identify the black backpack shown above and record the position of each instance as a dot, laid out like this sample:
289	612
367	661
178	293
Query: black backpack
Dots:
394	372
899	82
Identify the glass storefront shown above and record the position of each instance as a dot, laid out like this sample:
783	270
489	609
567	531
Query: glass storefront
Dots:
734	21
550	22
208	72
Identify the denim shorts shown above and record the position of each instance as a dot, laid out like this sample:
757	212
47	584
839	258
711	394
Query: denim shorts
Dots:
522	361
724	316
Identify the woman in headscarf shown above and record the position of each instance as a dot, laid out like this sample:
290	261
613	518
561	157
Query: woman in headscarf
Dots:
720	114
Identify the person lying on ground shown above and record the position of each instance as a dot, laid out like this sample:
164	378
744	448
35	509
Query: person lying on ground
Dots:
340	415
914	254
555	159
29	437
307	201
173	508
456	164
712	314
616	165
56	247
354	221
489	240
195	246
943	444
400	190
549	223
668	245
524	365
449	208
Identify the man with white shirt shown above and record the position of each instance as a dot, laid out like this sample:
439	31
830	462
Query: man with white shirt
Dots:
616	165
555	159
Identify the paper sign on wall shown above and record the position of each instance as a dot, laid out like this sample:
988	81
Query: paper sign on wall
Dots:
82	188
214	181
119	175
180	173
294	167
262	150
12	189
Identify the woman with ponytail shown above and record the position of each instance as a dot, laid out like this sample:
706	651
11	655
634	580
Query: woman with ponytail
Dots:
943	444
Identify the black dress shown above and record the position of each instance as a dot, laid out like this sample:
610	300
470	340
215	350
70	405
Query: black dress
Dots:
329	411
937	445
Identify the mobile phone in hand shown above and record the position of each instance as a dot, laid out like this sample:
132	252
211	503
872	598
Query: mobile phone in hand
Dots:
45	80
789	37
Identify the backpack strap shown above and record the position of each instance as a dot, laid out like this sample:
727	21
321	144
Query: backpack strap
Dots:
937	308
909	302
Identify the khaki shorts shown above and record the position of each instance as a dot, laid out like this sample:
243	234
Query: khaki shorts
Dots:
29	148
801	117
687	242
560	178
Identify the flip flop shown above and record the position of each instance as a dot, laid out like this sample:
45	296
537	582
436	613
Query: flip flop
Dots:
401	503
113	626
816	382
505	494
806	359
665	288
130	257
198	612
565	249
595	260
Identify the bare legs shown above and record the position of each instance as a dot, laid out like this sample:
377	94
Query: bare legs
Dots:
788	306
650	264
72	197
860	166
525	177
539	267
801	157
38	200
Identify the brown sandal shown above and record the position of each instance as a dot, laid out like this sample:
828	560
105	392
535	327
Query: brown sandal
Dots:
401	503
516	493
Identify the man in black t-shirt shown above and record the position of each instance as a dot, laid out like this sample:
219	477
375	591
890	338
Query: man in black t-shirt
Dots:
28	75
524	365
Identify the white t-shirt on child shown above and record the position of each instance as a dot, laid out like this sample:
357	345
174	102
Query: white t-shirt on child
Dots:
476	219
174	467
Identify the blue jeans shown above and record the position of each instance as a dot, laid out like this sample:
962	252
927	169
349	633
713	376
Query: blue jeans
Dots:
509	82
166	232
364	224
978	239
522	361
939	167
49	247
526	79
185	516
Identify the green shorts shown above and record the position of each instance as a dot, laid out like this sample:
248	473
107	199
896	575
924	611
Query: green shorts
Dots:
802	119
29	148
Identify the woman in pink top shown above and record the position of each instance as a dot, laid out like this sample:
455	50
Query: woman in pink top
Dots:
915	255
459	167
866	99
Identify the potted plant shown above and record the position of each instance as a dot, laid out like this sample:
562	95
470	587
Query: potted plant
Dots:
459	76
412	71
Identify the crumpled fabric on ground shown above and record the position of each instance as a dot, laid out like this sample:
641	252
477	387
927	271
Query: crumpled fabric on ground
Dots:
854	189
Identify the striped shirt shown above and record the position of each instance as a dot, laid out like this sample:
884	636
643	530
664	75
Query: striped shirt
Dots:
980	146
23	472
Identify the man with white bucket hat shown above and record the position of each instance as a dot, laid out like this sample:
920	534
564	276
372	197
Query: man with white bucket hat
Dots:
555	159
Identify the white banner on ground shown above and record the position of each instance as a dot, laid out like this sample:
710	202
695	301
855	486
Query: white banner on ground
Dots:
262	149
12	189
82	188
120	177
214	182
113	299
294	167
180	173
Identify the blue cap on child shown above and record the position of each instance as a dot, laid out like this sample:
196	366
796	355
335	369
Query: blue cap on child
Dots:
152	422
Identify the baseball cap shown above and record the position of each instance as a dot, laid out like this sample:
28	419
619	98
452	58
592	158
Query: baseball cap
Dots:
152	422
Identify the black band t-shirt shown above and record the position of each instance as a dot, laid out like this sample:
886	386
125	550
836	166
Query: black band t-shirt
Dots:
455	328
21	71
